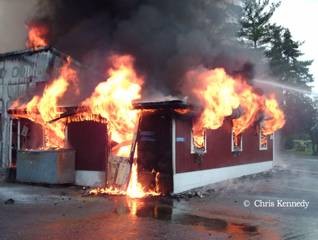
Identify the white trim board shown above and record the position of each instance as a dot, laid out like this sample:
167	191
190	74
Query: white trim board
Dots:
189	180
90	178
173	151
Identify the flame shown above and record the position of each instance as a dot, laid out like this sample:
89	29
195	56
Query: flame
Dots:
215	91
42	109
37	36
111	104
134	189
250	104
275	118
112	99
263	138
182	110
219	94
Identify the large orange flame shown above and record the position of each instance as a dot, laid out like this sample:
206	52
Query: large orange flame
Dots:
37	36
219	94
275	118
112	99
250	105
42	109
215	91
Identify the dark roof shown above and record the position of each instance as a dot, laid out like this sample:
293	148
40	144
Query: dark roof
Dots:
161	104
64	112
30	51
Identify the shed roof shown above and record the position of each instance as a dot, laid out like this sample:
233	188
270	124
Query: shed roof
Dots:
30	51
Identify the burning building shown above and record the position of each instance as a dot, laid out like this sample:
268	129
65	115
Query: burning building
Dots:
22	72
224	130
216	126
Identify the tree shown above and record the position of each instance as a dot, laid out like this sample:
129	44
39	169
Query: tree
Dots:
277	63
284	59
301	118
255	21
298	71
283	55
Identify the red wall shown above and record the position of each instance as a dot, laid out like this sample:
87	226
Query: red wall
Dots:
89	140
218	148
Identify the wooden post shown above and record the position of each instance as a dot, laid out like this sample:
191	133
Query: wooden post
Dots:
19	135
134	141
10	143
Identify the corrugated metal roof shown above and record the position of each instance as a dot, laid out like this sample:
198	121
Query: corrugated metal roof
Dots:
30	51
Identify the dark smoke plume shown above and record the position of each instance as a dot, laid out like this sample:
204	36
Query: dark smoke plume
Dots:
166	37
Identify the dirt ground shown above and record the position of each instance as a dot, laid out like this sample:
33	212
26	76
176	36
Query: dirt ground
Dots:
218	211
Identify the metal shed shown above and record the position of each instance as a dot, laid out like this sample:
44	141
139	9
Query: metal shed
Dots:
21	72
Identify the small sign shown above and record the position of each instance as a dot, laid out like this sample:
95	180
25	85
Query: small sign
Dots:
180	139
24	131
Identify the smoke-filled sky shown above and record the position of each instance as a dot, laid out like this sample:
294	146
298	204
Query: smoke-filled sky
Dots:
165	36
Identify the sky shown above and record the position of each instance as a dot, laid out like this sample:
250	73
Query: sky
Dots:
301	18
13	14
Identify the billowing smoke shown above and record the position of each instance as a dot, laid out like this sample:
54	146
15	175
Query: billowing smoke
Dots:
167	38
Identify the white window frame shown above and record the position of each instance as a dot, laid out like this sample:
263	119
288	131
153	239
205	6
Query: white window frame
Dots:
261	148
232	143
194	149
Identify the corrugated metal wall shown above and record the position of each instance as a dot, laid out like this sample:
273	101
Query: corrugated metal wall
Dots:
20	72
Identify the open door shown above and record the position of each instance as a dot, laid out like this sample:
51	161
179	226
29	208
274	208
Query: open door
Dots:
155	150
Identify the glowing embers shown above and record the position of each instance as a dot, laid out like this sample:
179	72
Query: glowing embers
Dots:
198	143
263	140
236	143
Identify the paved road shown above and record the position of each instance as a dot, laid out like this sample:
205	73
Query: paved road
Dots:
63	213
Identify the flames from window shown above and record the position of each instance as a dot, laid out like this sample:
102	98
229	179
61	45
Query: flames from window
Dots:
220	94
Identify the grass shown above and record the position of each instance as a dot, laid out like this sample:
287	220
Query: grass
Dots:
301	146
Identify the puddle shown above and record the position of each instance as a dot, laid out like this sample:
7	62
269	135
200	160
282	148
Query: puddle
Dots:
166	212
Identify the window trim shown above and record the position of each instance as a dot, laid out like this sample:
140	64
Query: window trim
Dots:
232	143
194	149
260	148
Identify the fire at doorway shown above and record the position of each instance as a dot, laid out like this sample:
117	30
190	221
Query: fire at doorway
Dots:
155	151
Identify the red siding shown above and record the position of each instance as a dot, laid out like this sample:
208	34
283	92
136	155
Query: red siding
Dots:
89	140
218	148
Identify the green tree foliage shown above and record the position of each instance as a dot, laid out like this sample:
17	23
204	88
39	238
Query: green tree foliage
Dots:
255	21
285	63
284	54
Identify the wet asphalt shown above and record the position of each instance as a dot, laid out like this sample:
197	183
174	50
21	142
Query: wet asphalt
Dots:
246	208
